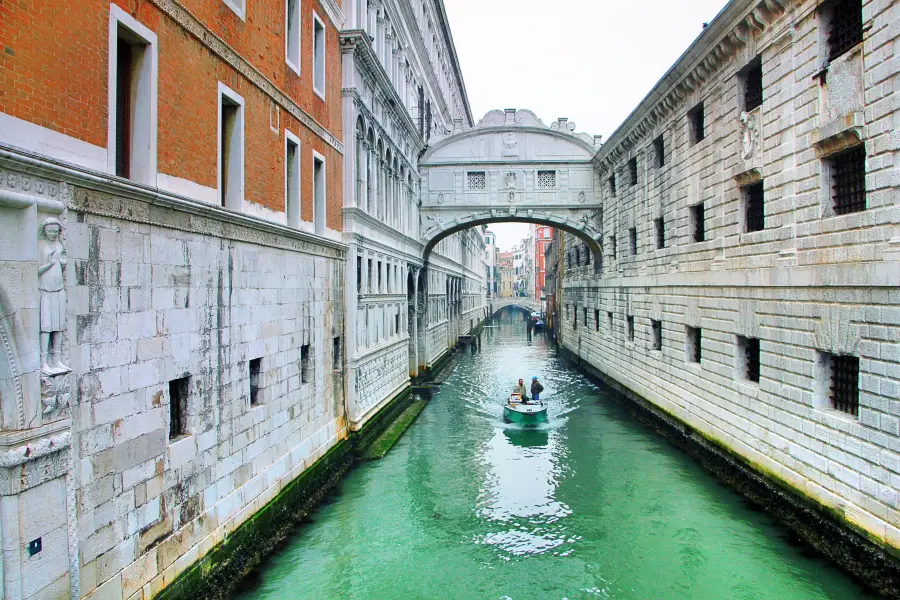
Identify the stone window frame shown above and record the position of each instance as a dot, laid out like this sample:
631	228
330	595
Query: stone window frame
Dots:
744	345
179	402
822	383
319	51
234	199
696	119
293	55
145	123
320	193
745	78
656	335
693	345
293	195
239	7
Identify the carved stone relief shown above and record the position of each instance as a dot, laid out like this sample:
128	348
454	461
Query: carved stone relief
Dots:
749	135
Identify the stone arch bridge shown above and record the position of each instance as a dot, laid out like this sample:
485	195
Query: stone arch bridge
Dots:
512	167
529	304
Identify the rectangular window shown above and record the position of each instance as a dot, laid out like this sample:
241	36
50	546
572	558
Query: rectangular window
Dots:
612	185
292	34
659	151
659	225
609	322
632	236
692	343
336	355
632	172
656	327
255	368
318	56
318	193
292	179
596	320
178	406
612	245
231	149
379	278
630	323
843	390
359	275
371	276
575	318
476	180
848	174
305	366
752	80
748	355
695	120
546	179
845	26
132	123
698	225
754	207
584	319
397	323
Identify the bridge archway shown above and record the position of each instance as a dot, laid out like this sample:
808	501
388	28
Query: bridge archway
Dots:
512	167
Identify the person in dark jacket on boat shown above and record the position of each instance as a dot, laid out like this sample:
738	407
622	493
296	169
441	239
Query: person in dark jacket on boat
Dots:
536	389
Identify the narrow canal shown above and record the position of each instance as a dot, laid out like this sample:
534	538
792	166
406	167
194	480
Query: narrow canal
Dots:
593	505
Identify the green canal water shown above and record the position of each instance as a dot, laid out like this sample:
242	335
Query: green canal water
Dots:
593	505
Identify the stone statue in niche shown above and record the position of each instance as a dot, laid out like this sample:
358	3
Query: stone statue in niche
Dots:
51	283
749	135
510	143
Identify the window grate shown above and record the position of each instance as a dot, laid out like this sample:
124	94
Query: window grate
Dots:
630	319
659	149
612	185
846	27
845	384
660	232
596	320
656	326
546	179
695	117
612	244
632	234
476	180
632	172
753	86
751	353
754	207
699	233
584	319
849	175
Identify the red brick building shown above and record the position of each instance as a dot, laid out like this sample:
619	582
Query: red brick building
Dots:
543	236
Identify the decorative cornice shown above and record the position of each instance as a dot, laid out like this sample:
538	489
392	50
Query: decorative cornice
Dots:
178	13
334	13
720	42
106	195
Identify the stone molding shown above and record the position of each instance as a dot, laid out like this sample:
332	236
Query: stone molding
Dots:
839	135
107	196
719	43
181	15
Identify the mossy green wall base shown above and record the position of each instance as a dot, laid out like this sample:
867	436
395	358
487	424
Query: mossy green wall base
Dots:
825	530
383	443
220	572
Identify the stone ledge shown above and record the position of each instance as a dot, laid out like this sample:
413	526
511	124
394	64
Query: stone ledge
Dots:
839	135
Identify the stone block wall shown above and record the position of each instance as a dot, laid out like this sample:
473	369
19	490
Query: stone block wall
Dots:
808	285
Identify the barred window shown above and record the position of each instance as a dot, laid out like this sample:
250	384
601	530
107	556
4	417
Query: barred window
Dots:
656	327
546	179
612	185
753	85
692	344
660	226
632	172
845	27
632	234
848	171
698	229
754	207
476	180
659	150
695	118
844	388
630	321
596	320
609	322
748	349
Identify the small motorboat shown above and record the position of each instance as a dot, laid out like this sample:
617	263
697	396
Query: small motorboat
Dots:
526	413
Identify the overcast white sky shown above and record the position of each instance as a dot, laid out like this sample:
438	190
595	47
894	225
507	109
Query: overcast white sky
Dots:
589	60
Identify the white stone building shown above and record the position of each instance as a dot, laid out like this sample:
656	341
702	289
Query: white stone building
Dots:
405	307
751	251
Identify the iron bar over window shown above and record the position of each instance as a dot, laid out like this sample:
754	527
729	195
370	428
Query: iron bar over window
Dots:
751	349
755	206
845	28
753	89
845	384
849	180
